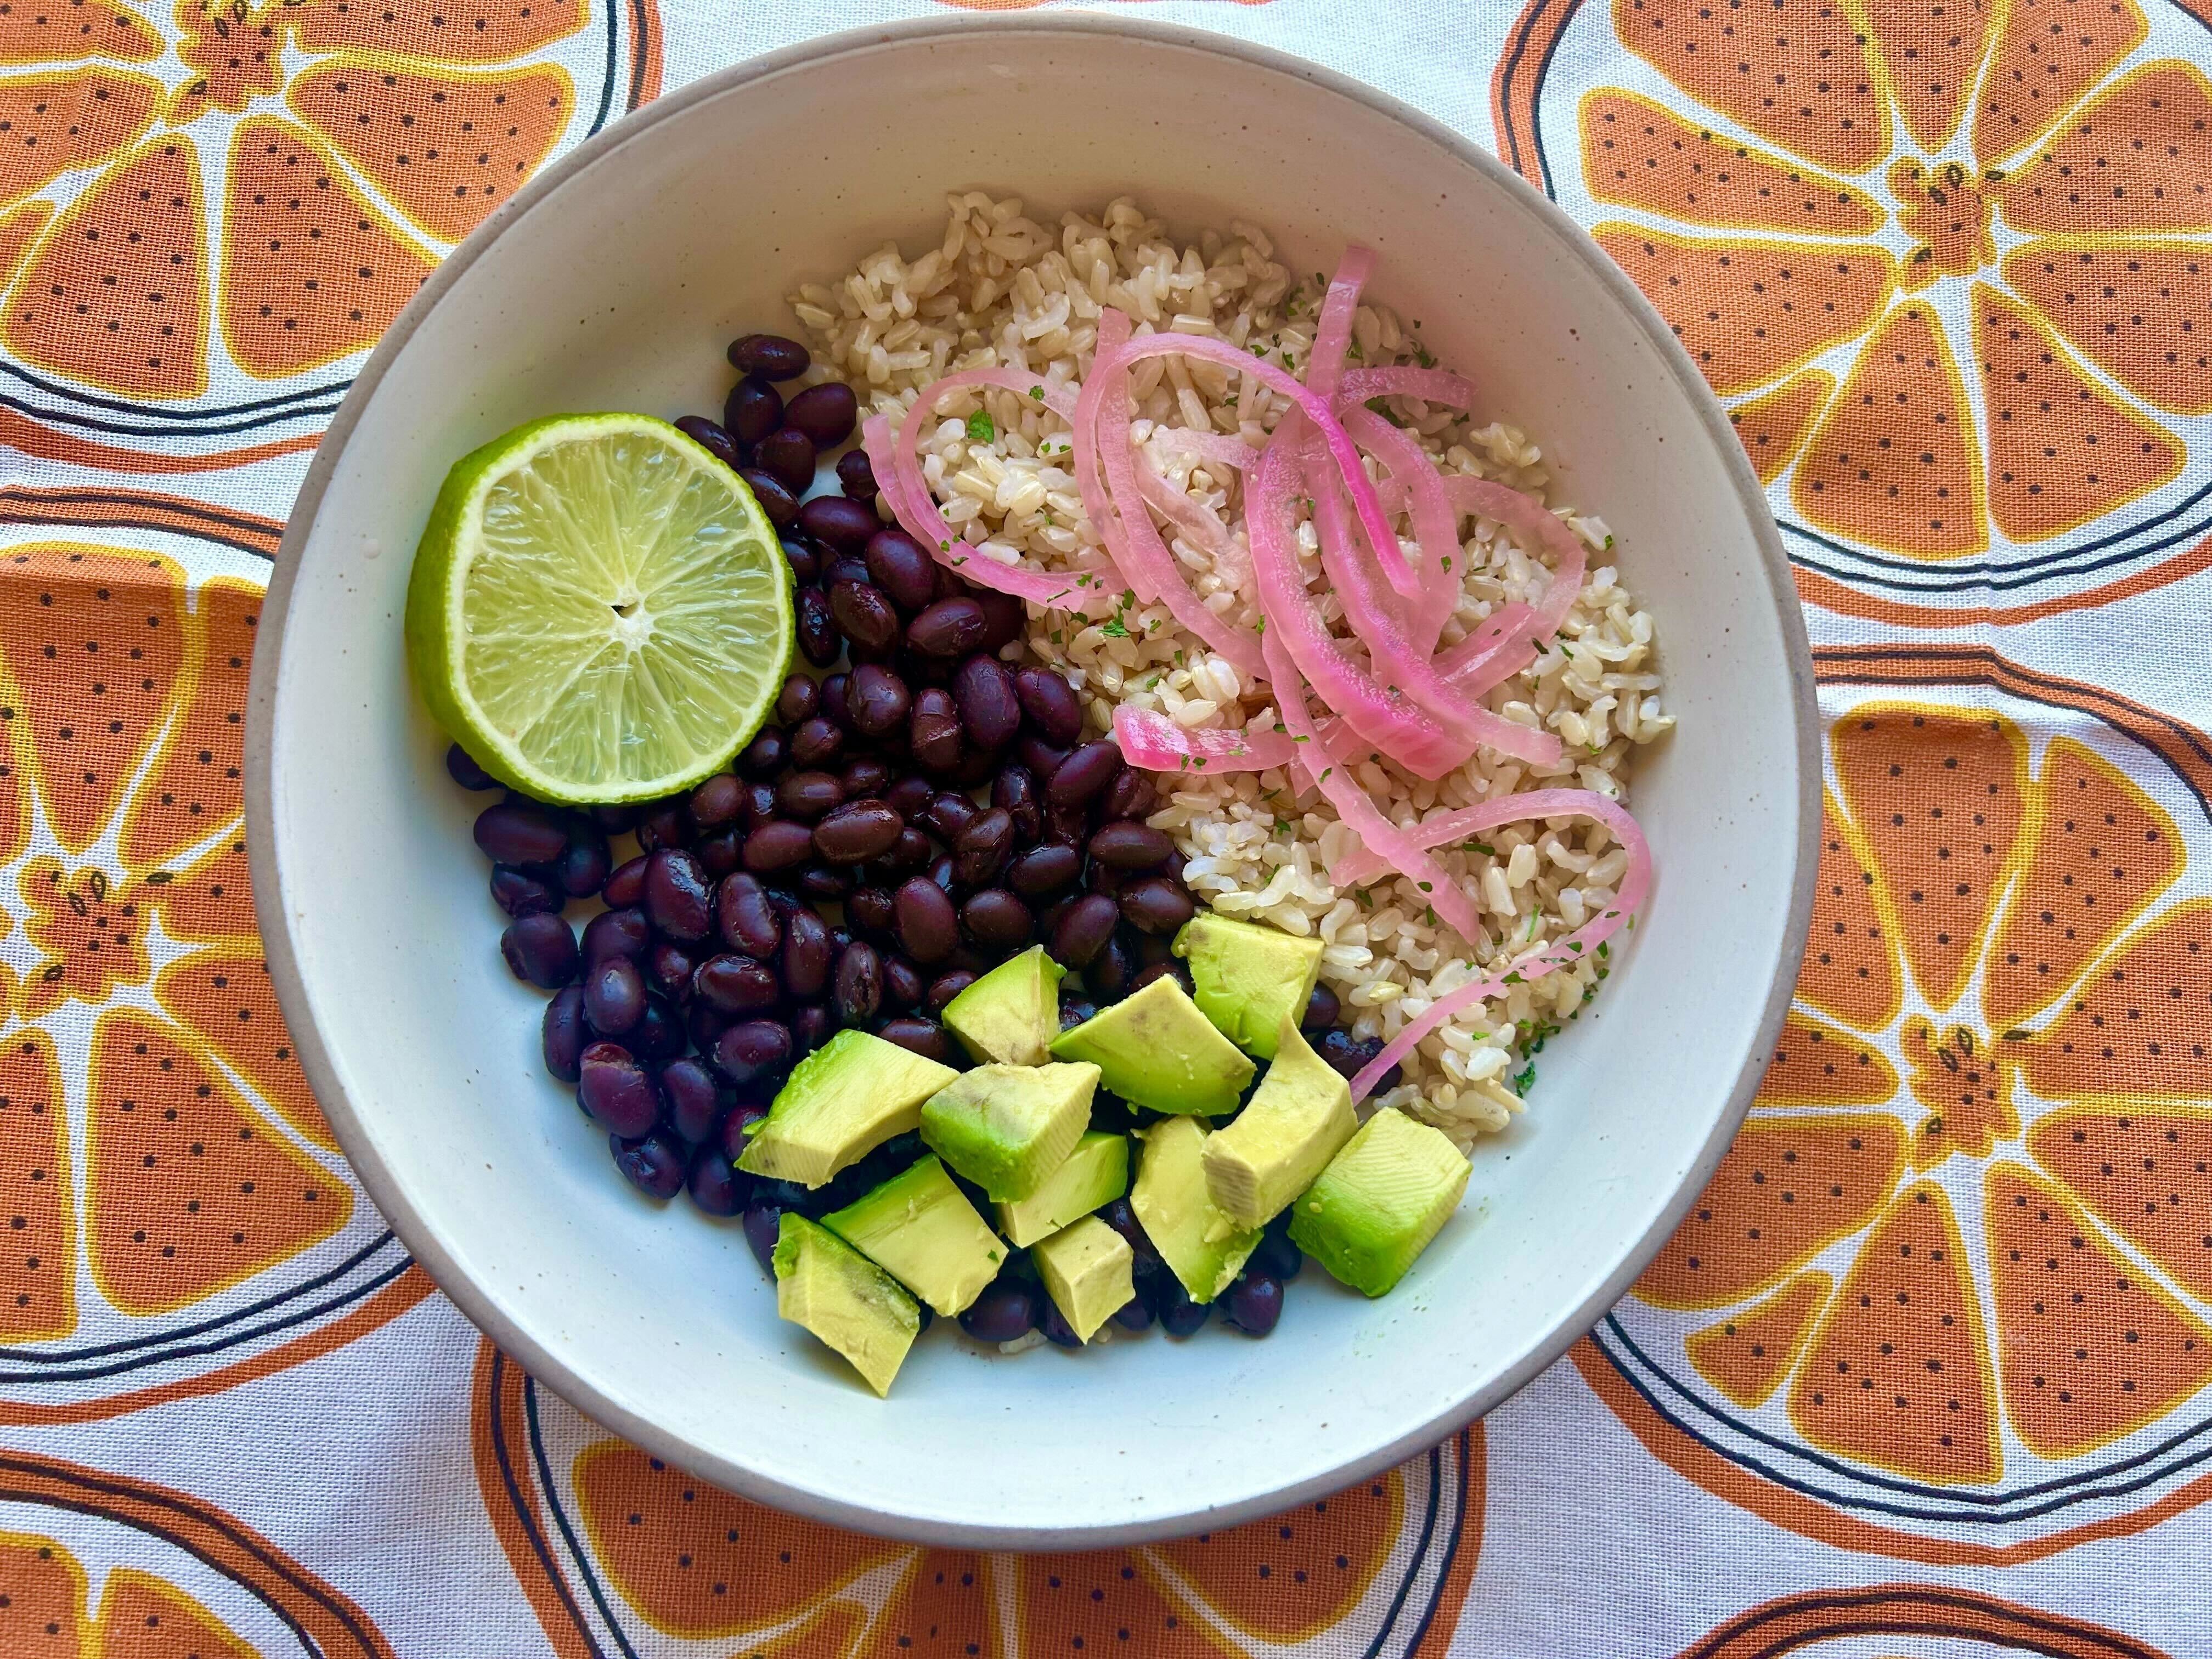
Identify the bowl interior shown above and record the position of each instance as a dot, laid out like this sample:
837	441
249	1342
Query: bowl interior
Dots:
615	287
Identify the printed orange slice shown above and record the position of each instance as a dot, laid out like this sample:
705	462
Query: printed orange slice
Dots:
1817	1065
1793	71
1897	1375
38	1220
2050	53
90	935
1773	428
2140	310
228	1000
1894	462
42	1593
944	1608
2141	1024
1937	797
116	294
196	788
445	148
1931	50
1641	154
191	1190
1747	1356
1748	312
18	230
212	899
2090	1349
1964	1090
54	124
1849	968
1788	1187
236	55
93	640
695	1561
311	271
2147	1174
2103	850
55	30
2140	158
1292	1576
2062	452
444	31
1101	1601
142	1617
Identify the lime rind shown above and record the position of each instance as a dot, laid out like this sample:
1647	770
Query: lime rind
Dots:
599	611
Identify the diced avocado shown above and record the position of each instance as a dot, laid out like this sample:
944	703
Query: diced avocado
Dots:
825	1284
1200	1244
1272	1151
1246	977
842	1102
1012	1014
1096	1173
922	1229
1380	1201
1156	1050
1089	1270
1006	1127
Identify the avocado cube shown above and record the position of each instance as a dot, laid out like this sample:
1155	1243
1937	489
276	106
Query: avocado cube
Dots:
842	1102
1095	1174
1012	1014
1089	1270
1380	1201
1156	1048
922	1229
1273	1149
825	1284
1246	977
1202	1247
1006	1127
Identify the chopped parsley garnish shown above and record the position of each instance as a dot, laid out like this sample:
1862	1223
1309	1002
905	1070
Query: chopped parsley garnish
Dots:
1524	1079
1037	392
1112	628
979	428
1381	406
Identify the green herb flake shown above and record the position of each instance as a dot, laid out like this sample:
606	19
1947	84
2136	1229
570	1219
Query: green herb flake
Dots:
1037	392
1351	350
1427	886
1112	629
1444	563
1381	406
1524	1079
1477	845
980	429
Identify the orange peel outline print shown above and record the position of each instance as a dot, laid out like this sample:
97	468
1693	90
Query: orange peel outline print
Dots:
1948	1297
609	1544
1949	266
138	1031
215	206
1805	1622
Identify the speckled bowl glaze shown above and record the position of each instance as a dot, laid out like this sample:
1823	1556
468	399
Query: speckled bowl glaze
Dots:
612	282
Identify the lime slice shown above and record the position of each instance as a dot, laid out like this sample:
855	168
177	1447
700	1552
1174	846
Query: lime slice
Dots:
599	611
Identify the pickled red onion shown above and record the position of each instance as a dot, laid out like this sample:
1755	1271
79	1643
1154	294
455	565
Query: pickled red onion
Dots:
1434	386
1435	528
1332	334
1151	741
1090	405
1509	638
1215	448
1356	867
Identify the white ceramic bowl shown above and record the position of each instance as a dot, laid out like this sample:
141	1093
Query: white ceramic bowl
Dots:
613	283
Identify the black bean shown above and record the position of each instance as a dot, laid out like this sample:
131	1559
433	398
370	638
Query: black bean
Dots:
760	804
781	845
879	698
845	567
859	984
1043	870
871	910
825	413
1349	1055
1121	1216
785	901
933	735
626	885
1082	931
715	1184
540	948
719	853
786	455
950	814
806	565
747	921
1157	905
655	1165
863	614
1042	758
1051	704
614	996
989	711
1049	917
1322	1011
769	356
940	873
1275	1255
766	755
660	1035
1112	972
737	1125
778	502
947	628
461	767
903	983
615	1090
807	955
1131	795
1132	1314
908	854
800	699
1074	1009
666	823
837	707
816	742
1004	1312
1004	620
1101	878
825	881
810	1027
680	900
1067	822
735	985
753	1050
617	820
902	567
995	918
981	849
976	766
856	475
927	926
561	1034
865	776
717	804
711	436
944	988
692	1100
910	798
1014	792
1255	1303
806	796
1178	1315
761	1224
668	969
517	832
702	1024
752	410
1127	845
1053	1323
521	894
1087	770
856	831
1174	970
818	639
1151	949
841	526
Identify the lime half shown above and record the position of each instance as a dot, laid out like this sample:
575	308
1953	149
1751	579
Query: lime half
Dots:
599	611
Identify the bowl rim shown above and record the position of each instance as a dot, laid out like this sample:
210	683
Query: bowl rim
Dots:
273	901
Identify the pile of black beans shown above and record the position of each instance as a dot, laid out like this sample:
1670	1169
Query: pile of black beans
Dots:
917	811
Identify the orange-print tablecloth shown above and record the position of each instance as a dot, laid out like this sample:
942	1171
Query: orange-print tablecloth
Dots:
1928	1370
